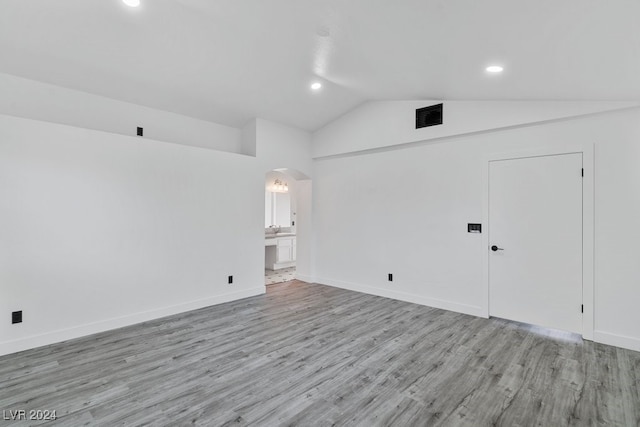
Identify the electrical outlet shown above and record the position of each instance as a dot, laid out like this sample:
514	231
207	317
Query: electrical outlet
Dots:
390	277
16	317
230	279
140	131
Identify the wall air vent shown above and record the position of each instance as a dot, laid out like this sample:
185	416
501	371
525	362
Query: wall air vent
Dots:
429	116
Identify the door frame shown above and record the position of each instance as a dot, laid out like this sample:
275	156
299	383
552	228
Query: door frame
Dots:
587	151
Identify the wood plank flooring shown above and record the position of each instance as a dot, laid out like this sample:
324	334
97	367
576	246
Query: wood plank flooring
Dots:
313	355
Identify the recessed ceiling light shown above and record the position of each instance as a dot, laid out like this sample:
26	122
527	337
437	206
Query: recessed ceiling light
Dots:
494	69
316	86
131	3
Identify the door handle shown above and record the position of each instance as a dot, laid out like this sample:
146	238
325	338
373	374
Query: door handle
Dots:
494	248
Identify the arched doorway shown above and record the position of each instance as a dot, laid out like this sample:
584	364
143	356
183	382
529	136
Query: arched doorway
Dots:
287	214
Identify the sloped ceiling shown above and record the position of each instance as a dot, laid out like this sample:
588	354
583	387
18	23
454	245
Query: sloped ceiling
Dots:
228	61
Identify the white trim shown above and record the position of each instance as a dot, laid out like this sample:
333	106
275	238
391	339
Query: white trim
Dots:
617	340
303	278
587	151
403	296
34	341
588	242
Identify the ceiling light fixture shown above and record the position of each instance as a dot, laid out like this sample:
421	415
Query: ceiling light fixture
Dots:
316	86
131	3
279	187
494	69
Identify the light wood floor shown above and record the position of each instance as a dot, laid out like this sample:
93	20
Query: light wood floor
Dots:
314	355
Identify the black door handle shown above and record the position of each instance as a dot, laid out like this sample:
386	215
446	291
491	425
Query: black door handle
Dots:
494	248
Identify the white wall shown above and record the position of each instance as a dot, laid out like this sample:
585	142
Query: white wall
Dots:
248	139
104	229
379	124
282	147
100	230
405	211
279	146
305	264
41	101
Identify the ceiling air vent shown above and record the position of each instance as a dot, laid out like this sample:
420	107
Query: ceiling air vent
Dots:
429	116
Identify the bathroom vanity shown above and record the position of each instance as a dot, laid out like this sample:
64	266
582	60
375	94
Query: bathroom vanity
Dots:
280	251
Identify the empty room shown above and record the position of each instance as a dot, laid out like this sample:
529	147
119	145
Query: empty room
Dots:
319	213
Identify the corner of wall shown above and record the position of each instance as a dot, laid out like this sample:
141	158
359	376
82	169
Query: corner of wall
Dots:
248	138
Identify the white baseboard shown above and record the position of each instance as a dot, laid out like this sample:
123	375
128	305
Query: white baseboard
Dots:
304	278
34	341
617	340
403	296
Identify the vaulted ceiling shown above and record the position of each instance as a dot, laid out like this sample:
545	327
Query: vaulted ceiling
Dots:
228	61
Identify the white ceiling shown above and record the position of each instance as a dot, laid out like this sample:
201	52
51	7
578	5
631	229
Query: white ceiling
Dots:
228	61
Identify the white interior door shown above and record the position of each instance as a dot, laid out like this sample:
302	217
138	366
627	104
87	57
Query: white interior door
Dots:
535	239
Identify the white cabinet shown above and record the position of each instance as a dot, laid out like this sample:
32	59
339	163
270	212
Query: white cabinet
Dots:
280	252
285	249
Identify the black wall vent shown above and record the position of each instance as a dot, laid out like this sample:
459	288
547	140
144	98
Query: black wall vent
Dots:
429	116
